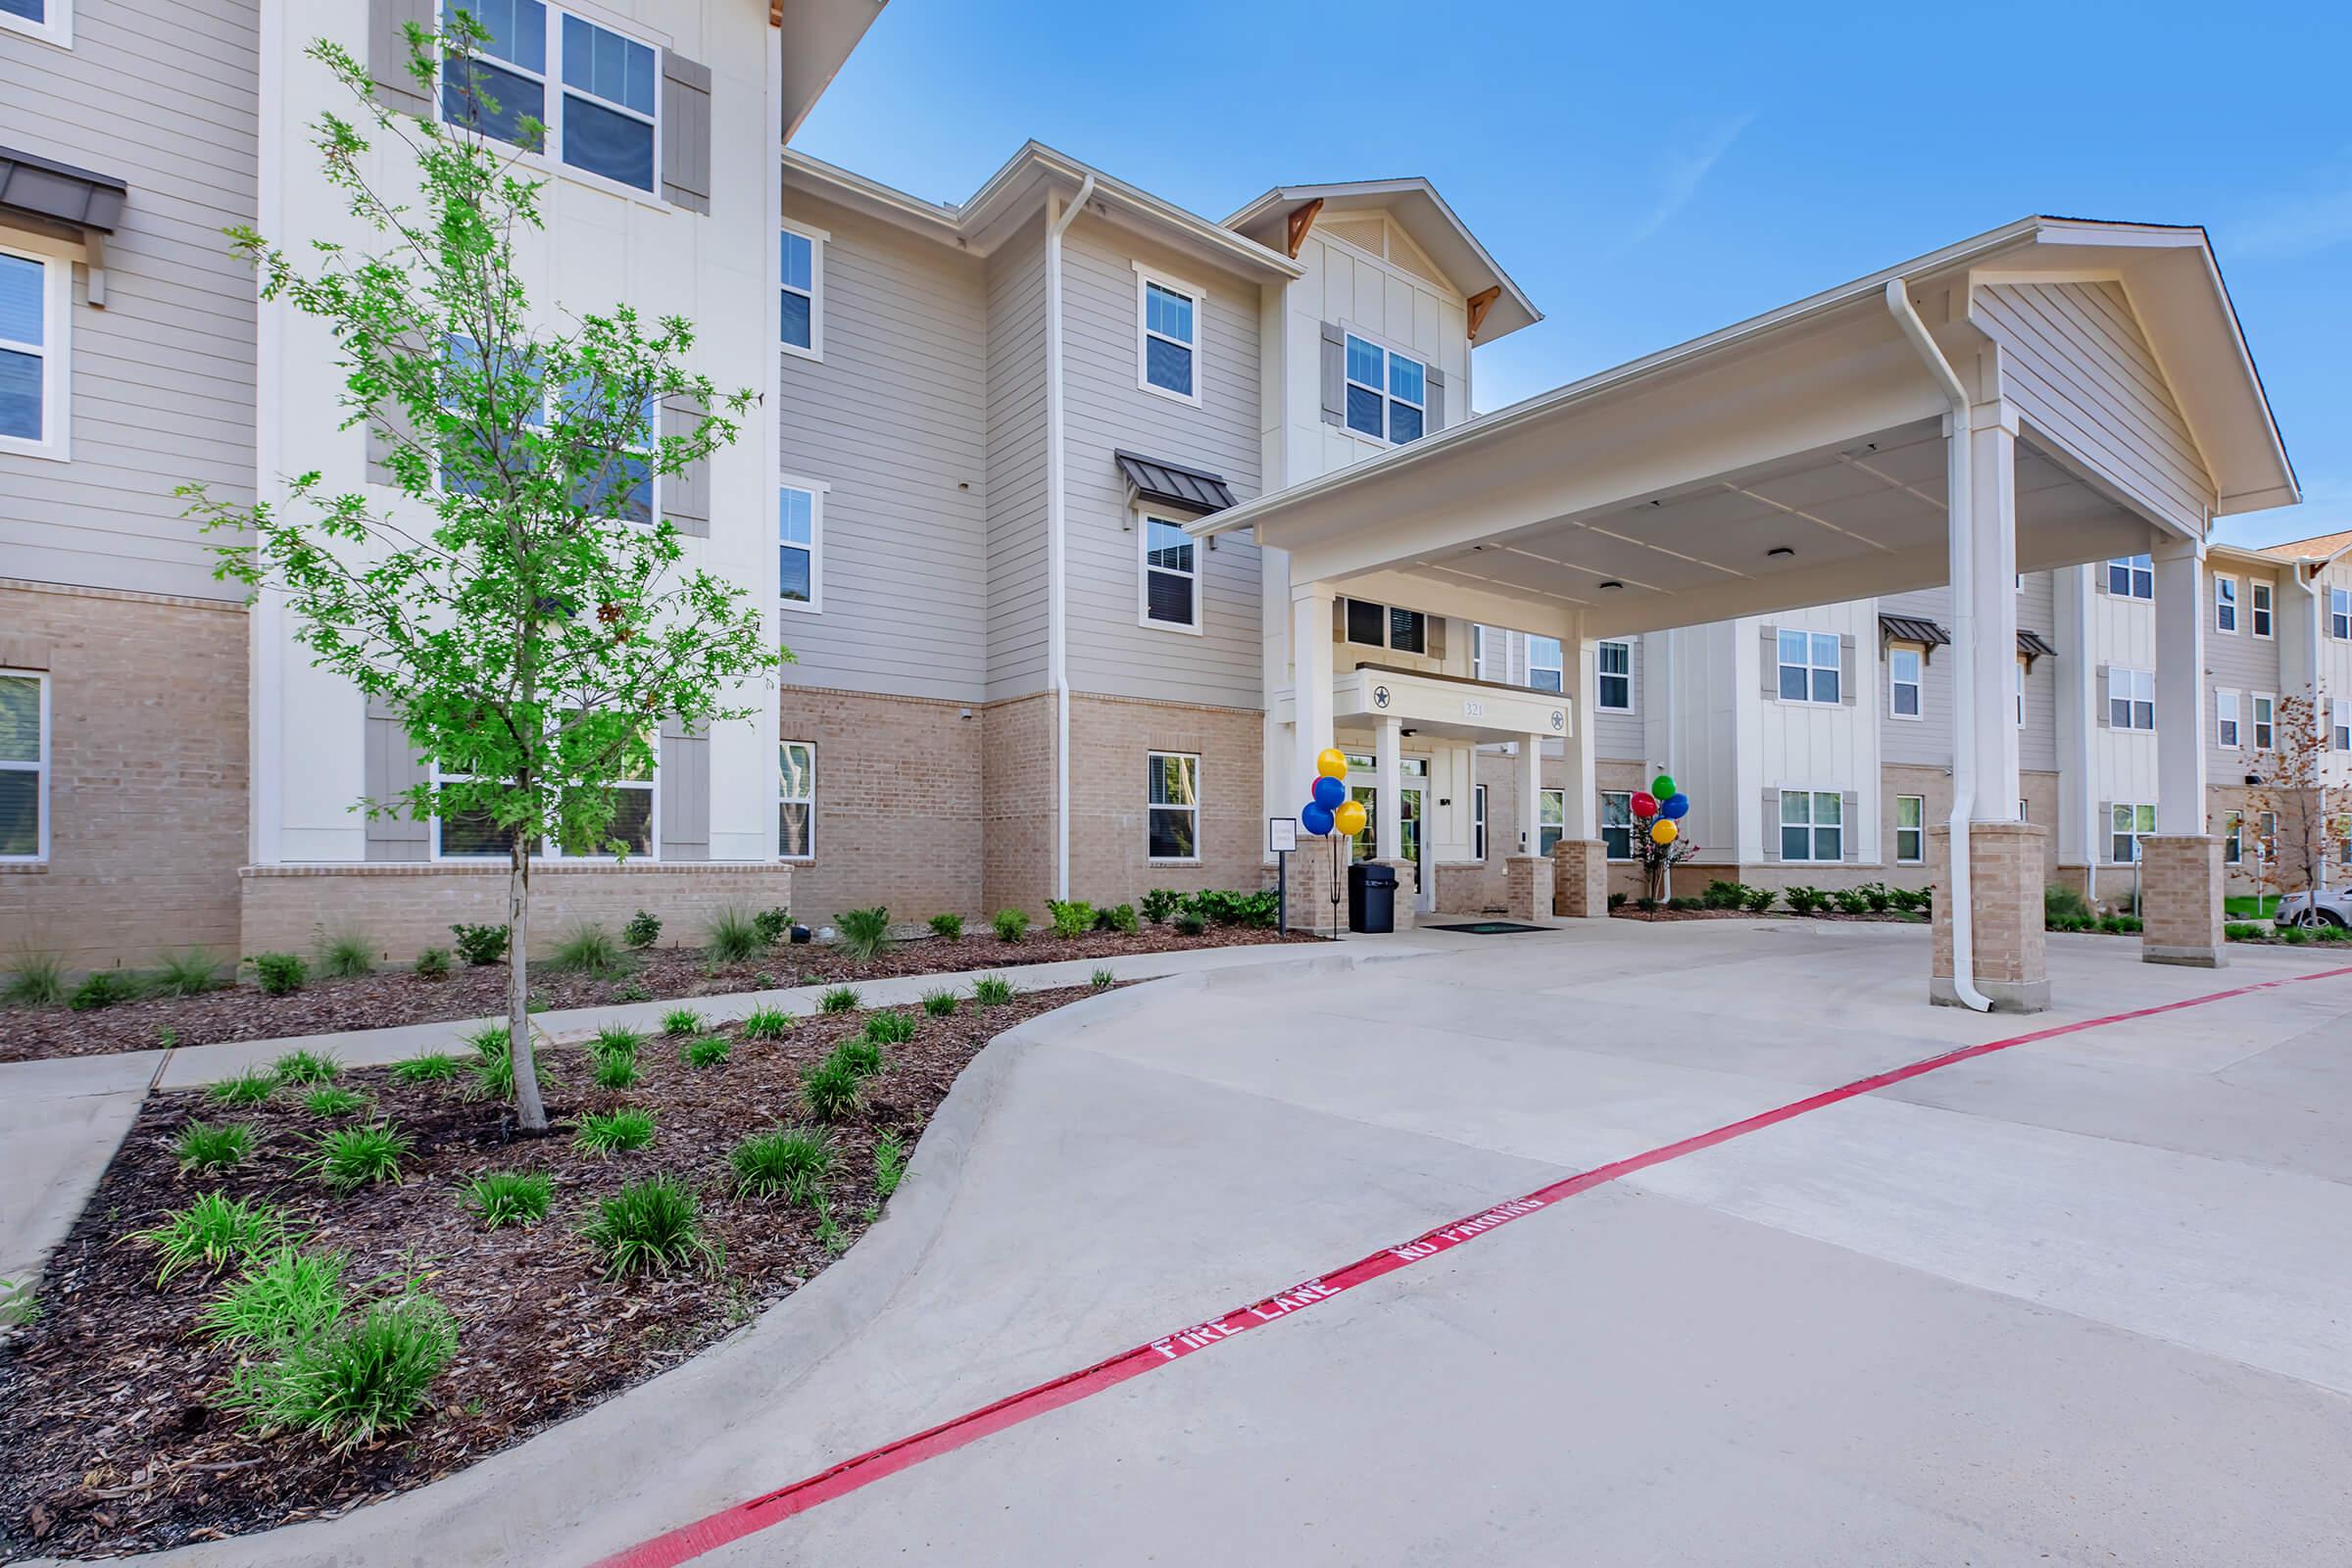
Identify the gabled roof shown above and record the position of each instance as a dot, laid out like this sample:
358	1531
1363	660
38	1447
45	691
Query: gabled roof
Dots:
819	35
1415	203
2319	547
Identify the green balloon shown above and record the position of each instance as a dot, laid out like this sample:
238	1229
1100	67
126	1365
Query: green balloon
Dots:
1662	786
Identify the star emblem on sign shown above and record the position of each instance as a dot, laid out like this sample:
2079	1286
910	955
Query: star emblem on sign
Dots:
1560	720
1380	697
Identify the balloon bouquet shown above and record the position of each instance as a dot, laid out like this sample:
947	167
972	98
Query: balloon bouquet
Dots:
1658	841
1329	814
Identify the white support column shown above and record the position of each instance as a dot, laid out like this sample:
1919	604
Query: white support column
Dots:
1580	794
2180	686
1387	808
1531	788
1992	456
1311	674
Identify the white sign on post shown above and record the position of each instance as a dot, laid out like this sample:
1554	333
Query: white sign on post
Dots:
1282	834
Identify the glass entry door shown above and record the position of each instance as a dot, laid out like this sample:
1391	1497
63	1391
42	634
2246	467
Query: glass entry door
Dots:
1411	845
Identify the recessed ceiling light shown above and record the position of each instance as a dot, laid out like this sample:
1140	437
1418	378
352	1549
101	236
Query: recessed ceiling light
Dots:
1778	551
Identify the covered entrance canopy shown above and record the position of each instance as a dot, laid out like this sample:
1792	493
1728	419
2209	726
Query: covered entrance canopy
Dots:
2107	403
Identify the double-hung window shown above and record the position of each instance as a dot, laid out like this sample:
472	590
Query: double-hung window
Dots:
1812	824
2128	825
2266	723
1616	676
600	107
34	318
1910	830
1617	824
2259	595
2340	725
1546	669
2234	836
1388	393
2225	717
800	536
1903	672
1167	348
1172	806
2131	698
795	801
23	766
1551	819
1170	591
2340	613
1810	667
2224	604
621	488
801	291
2132	576
607	103
1478	824
474	835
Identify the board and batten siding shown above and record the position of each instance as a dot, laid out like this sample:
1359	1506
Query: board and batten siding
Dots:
2081	374
165	98
893	422
1399	307
2038	611
1015	435
1620	735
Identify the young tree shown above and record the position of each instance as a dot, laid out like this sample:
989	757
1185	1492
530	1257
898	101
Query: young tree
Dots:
519	605
2289	813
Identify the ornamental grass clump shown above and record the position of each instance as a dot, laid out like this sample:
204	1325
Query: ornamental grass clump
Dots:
205	1146
615	1072
651	1227
863	1056
432	1067
615	1040
766	1023
681	1021
493	1064
509	1197
590	950
346	956
939	1003
248	1088
361	1375
864	933
306	1067
35	980
1104	979
889	1028
190	973
711	1050
841	999
287	1295
215	1232
831	1088
990	991
614	1132
734	937
351	1157
889	1164
334	1101
791	1160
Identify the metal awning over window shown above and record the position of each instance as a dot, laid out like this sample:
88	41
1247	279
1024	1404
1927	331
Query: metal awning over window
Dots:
2033	645
1912	630
53	198
1172	485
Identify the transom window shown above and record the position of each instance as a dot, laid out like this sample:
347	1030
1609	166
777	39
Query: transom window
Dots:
1171	586
1616	677
1551	819
1617	824
801	291
1903	669
2340	613
795	801
2132	576
23	766
800	528
1812	824
1910	830
1388	393
2130	699
2266	721
2225	719
2261	606
1547	670
1172	806
2126	826
1168	351
2225	604
1405	631
602	114
1810	666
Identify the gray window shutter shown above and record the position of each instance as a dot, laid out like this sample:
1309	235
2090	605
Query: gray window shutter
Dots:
1848	814
1771	661
2104	710
2105	850
1335	375
2098	576
388	53
1339	616
685	133
686	493
1771	824
1434	390
392	767
1437	635
683	781
1845	669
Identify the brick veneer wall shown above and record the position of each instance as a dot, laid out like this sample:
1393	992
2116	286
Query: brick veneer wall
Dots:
148	768
1110	738
899	804
1016	808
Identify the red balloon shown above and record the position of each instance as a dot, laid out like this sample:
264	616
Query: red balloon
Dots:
1645	804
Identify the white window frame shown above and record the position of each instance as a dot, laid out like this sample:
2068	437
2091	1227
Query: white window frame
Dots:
56	26
1144	569
2233	838
1552	816
2227	723
1145	277
2340	613
1813	667
808	800
2138	575
1347	378
1478	660
550	849
2259	599
1478	824
2021	693
816	489
55	351
549	158
1152	761
1556	665
1896	681
548	398
815	293
2132	681
1919	831
38	767
1813	826
2140	813
2340	723
1625	800
1601	687
2225	604
2266	721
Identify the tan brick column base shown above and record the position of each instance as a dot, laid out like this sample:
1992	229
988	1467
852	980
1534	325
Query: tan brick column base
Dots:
1580	879
1527	887
2005	865
2180	900
1309	907
1406	887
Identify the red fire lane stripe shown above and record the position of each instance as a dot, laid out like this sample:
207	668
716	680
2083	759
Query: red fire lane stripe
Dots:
706	1534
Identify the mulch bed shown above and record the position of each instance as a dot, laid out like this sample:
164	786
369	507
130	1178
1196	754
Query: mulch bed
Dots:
382	1000
111	1442
1887	917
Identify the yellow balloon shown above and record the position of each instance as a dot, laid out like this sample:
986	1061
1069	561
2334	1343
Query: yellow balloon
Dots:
1663	832
1349	819
1331	763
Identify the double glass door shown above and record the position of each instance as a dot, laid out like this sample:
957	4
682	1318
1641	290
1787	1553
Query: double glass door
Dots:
1364	787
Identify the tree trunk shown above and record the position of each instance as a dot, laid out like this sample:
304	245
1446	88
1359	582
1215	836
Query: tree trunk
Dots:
530	1114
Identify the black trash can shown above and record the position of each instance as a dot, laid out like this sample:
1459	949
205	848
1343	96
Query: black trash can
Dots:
1371	898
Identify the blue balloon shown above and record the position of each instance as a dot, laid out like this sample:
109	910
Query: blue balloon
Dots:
1674	805
1330	792
1317	818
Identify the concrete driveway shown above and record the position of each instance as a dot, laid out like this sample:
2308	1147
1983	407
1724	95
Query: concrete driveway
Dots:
2086	1300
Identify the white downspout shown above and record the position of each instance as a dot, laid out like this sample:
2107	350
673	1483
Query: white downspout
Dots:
1959	527
1057	619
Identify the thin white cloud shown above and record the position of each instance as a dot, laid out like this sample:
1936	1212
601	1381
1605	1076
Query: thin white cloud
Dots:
1681	174
2319	220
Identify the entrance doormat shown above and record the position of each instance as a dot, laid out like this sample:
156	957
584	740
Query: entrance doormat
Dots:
1487	928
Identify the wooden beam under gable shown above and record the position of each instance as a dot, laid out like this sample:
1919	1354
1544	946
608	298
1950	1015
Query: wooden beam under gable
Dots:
1479	303
1302	218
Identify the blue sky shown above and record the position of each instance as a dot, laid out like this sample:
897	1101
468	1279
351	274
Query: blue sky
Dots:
1646	180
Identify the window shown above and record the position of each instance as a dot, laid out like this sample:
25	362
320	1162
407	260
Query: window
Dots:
1478	658
1545	671
1478	822
2225	719
2340	726
473	835
1387	392
23	766
602	119
1910	830
2132	577
1812	824
1616	677
1376	625
2266	835
2261	592
2128	825
50	21
2130	699
34	319
2265	726
622	490
800	534
1170	592
1167	347
1810	662
2340	613
1173	813
1551	819
1903	671
1408	631
2018	690
2233	849
795	801
2224	604
1617	824
801	280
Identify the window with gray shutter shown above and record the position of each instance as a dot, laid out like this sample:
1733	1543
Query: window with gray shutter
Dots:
1335	375
685	133
1768	658
1772	822
388	57
683	780
686	493
392	769
1436	407
2105	698
1849	806
1848	686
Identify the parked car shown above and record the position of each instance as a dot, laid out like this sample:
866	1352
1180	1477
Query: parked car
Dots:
2330	906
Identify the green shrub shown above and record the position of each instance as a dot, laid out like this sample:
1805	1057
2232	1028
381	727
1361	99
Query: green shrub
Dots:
1104	979
350	1157
631	991
346	956
480	945
792	1161
1687	905
509	1197
1806	901
990	991
1119	918
285	1296
1190	923
493	1064
248	1088
643	930
889	1164
772	926
864	933
732	937
306	1067
889	1028
939	1003
1217	907
1851	901
615	1132
191	973
1758	900
432	964
589	949
279	974
1160	904
949	926
1721	895
2293	935
361	1375
215	1232
207	1145
650	1227
1648	905
711	1050
102	988
1011	925
1617	900
841	999
615	1072
681	1021
831	1089
2063	903
2330	933
35	980
2243	931
431	1067
766	1023
862	1056
334	1101
613	1040
1072	918
1879	895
